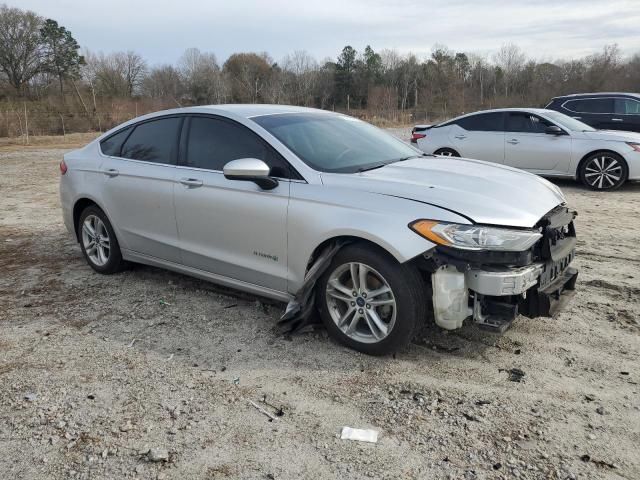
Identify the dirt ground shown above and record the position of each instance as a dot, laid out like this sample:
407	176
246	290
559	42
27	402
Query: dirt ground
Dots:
148	374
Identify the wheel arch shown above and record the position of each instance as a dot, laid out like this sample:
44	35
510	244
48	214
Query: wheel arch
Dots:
598	151
349	239
79	206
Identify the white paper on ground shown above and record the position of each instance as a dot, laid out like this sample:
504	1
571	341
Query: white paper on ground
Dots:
349	433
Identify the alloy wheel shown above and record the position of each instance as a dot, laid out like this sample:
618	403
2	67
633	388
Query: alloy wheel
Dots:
95	240
603	172
361	302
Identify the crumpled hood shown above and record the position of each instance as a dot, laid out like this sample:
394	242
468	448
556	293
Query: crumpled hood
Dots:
484	192
613	135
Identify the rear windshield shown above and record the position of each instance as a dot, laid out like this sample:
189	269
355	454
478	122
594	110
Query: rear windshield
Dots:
335	143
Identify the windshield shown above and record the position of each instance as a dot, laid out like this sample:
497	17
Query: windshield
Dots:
568	122
336	143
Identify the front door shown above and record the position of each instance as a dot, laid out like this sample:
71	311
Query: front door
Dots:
528	147
228	227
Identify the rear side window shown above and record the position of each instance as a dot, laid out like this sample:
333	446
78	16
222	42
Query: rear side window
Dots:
526	123
483	122
627	106
154	141
112	145
212	143
590	105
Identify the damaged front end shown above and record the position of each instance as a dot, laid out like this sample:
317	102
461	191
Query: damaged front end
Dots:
493	287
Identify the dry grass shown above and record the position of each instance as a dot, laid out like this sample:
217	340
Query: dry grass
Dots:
72	140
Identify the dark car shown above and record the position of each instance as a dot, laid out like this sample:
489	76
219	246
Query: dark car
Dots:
604	111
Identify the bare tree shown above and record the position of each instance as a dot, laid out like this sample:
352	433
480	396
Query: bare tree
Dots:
202	78
303	78
510	59
135	68
164	81
20	46
249	74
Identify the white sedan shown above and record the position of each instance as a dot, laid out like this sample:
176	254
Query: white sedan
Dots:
540	141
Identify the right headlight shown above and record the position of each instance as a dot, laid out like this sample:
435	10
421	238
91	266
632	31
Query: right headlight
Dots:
475	237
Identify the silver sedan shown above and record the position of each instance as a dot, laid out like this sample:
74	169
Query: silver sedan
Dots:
324	211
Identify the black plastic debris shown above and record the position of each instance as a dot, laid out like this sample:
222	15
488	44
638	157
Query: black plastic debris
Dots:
300	311
600	463
515	374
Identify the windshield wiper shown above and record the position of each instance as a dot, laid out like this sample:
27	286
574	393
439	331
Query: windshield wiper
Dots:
395	160
372	167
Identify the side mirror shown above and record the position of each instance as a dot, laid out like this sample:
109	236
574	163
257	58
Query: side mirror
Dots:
252	170
554	130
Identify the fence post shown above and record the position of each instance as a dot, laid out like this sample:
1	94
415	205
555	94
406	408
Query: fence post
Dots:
64	134
26	123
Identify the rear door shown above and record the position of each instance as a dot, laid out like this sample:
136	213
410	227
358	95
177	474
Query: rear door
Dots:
597	112
138	174
527	146
479	136
229	227
628	111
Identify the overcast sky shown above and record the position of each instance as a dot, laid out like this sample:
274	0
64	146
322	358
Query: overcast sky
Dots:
161	30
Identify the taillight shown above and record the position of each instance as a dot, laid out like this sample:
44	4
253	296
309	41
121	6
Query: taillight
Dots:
416	136
63	167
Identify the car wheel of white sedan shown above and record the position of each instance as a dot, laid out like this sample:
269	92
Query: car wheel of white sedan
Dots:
370	302
98	241
603	171
446	152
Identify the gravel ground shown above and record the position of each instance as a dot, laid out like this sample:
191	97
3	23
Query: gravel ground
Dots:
149	374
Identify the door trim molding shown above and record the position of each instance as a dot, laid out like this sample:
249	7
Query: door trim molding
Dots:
208	276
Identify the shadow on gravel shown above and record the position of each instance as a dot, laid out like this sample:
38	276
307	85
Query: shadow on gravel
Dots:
181	318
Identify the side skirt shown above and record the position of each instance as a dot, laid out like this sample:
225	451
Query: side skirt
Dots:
208	276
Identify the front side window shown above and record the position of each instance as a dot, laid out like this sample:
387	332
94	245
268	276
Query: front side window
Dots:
568	122
483	122
213	142
335	143
154	141
590	105
526	123
112	145
627	106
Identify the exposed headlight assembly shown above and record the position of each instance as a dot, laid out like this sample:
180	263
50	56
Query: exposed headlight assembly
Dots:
475	237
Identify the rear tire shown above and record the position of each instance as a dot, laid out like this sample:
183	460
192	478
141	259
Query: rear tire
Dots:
367	317
603	171
446	152
98	242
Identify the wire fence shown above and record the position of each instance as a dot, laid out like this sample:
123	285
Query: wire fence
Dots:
24	121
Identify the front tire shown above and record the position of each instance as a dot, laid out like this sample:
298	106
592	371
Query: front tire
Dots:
370	302
98	241
603	171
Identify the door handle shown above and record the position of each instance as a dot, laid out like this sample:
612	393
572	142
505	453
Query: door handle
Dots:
513	141
111	172
191	182
461	137
617	120
577	118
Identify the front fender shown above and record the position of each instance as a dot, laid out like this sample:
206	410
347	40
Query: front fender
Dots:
318	213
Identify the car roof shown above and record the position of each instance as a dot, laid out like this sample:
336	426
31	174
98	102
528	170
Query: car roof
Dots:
599	94
248	110
501	110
